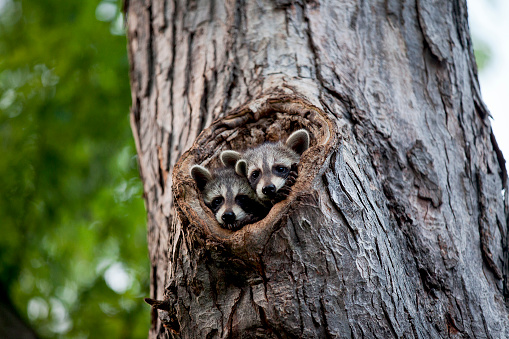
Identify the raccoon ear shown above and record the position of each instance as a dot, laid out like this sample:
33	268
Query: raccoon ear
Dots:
241	168
298	141
201	176
229	158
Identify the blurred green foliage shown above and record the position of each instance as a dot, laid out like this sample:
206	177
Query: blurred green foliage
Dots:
482	52
73	249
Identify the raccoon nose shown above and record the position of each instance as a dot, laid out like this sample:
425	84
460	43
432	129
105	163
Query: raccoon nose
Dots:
228	217
269	190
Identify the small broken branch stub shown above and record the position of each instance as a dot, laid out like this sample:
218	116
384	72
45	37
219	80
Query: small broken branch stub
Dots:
166	313
264	119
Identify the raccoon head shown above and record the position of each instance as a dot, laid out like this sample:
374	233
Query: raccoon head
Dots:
267	166
228	196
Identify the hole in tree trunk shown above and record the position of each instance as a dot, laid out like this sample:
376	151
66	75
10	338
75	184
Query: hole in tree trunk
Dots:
259	121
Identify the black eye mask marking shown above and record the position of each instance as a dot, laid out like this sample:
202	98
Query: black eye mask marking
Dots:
255	175
280	171
242	200
284	191
216	203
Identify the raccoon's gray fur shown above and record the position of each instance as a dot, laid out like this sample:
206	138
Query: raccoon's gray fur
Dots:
229	196
270	168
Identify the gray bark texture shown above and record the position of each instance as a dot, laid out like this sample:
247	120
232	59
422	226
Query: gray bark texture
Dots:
397	224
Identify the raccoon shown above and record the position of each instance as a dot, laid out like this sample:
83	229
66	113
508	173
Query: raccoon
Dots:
270	168
229	196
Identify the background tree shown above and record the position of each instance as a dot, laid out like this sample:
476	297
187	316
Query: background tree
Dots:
397	225
73	255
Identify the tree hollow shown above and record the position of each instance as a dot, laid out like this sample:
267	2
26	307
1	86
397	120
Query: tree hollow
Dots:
261	120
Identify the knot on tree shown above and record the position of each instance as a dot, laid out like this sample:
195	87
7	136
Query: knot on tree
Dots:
251	125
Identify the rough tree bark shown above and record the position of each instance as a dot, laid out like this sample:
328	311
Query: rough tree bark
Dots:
397	225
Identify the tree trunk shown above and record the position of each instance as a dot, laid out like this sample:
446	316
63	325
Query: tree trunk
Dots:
11	324
397	224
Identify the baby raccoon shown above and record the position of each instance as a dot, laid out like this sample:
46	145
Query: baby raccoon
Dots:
270	168
229	196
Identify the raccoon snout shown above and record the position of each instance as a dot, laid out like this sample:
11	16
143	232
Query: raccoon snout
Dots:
269	190
228	217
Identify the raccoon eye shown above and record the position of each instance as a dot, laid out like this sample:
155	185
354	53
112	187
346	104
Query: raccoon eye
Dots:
281	169
241	199
255	175
216	202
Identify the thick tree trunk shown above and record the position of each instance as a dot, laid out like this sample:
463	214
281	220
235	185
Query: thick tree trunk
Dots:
397	225
11	324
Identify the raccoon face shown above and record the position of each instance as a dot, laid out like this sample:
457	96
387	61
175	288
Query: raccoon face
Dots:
267	169
228	204
228	196
267	166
